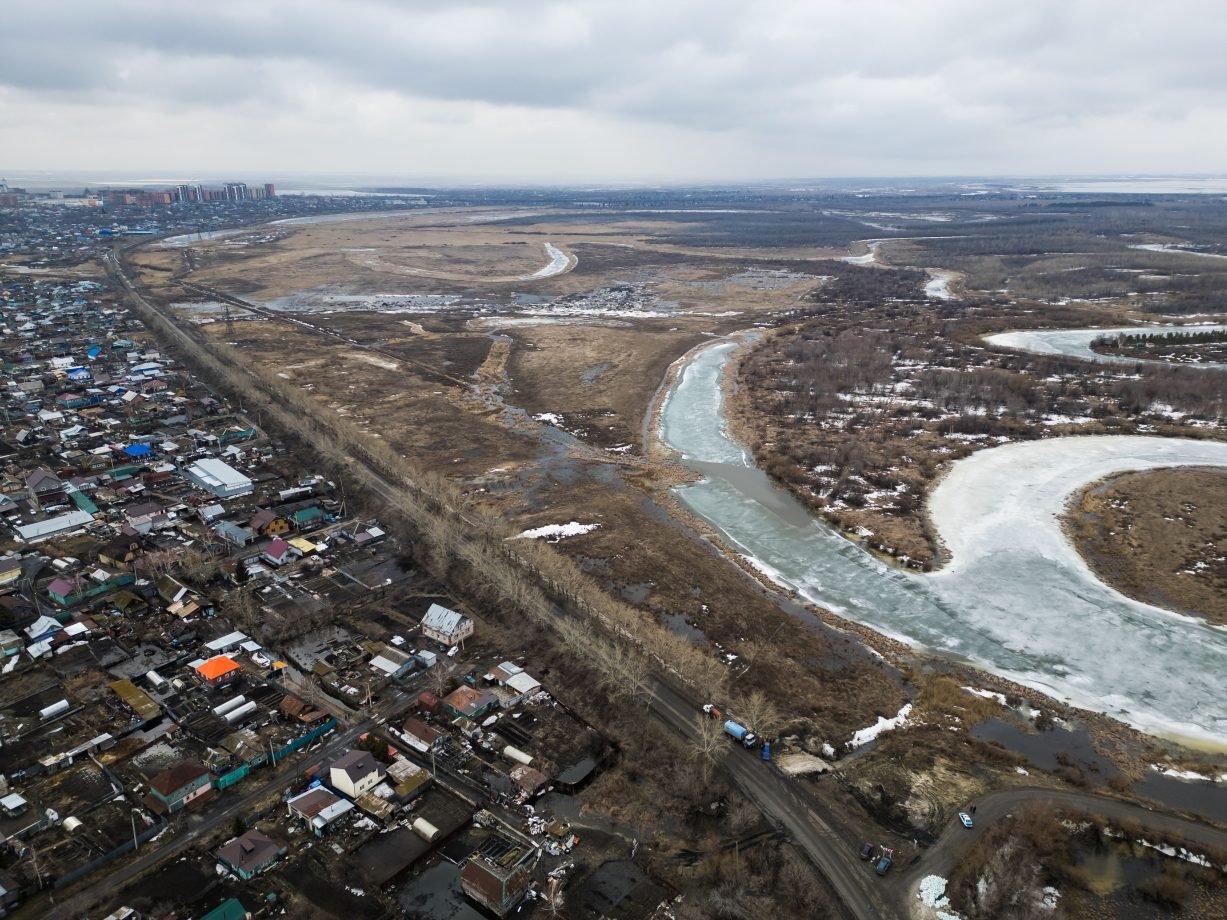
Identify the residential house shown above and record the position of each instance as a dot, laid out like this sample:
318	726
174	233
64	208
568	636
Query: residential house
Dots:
249	855
229	909
446	626
355	773
121	551
514	683
217	670
233	533
319	807
393	663
10	570
421	736
176	786
468	703
268	523
306	517
45	488
301	711
279	552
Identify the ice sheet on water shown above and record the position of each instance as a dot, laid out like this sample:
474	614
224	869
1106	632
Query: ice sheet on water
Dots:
1016	595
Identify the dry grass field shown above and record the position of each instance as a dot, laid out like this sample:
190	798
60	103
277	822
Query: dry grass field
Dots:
1160	537
410	327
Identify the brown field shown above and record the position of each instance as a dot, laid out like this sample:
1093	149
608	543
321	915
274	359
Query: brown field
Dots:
1160	537
455	392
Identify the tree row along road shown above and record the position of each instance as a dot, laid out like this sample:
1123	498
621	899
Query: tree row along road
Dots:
817	829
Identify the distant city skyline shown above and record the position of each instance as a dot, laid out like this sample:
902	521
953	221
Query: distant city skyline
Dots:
602	91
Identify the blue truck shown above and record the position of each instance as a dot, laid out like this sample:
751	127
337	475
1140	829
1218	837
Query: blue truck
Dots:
740	733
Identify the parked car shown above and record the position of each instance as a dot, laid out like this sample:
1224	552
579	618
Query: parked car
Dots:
965	818
883	864
711	710
867	851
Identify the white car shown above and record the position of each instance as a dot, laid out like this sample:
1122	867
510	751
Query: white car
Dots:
965	818
261	659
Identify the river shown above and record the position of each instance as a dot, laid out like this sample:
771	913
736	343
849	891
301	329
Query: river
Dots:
1016	599
1076	343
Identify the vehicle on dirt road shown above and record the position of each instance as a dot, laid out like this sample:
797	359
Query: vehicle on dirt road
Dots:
738	731
884	862
966	819
867	852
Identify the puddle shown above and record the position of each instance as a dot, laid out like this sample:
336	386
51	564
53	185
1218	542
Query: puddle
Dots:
589	376
636	593
677	624
1206	799
1049	750
436	895
1117	866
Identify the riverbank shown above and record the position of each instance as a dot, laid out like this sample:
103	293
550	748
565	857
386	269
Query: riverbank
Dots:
1157	537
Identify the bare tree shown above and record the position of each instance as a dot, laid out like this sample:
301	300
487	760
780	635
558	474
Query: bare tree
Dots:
760	713
708	746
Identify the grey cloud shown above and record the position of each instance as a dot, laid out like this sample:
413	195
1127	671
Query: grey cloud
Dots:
884	78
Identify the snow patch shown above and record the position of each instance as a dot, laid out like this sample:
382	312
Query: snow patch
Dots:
987	694
865	735
558	531
933	892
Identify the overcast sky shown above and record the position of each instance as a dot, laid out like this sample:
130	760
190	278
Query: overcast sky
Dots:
611	90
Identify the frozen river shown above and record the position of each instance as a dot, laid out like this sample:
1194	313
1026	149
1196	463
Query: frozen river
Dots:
1015	599
1076	343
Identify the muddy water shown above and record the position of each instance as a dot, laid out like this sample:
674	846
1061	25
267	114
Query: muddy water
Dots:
1016	599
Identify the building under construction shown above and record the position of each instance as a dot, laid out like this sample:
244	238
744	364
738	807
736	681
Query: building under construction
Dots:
497	875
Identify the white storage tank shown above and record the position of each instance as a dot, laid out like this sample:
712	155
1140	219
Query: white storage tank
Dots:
425	830
71	823
516	755
156	680
55	709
